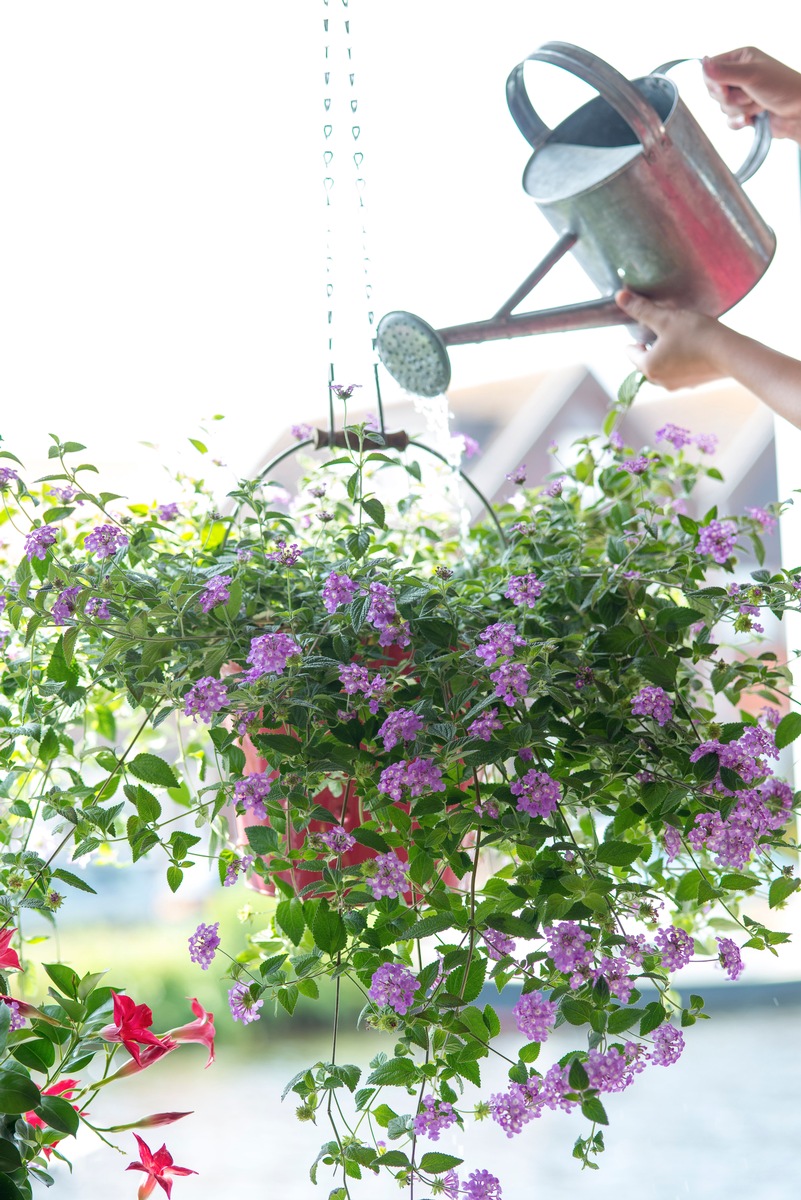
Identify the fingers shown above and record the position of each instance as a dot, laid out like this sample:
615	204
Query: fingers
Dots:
644	311
735	68
638	354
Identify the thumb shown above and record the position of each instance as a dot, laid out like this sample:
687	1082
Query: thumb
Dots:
644	311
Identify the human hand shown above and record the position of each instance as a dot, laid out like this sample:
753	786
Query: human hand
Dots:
746	82
688	347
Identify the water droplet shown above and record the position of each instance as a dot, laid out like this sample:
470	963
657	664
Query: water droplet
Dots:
327	130
327	103
327	156
355	130
358	158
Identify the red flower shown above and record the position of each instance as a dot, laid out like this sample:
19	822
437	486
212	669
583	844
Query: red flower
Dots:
8	957
131	1026
157	1167
149	1055
64	1088
201	1030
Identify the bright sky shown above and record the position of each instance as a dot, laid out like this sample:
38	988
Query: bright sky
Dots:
162	213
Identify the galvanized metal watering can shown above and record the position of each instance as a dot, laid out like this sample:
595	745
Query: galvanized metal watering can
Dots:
639	195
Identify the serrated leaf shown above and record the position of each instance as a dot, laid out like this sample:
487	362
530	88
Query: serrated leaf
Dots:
739	880
152	769
434	1162
593	1110
788	729
652	1017
289	917
328	929
395	1071
73	880
431	925
780	889
618	854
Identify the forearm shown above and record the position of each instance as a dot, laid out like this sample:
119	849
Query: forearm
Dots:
773	377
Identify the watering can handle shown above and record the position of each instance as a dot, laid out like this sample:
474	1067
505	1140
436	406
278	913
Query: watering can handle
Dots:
762	137
609	83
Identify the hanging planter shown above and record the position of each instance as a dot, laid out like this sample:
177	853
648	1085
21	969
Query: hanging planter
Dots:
477	777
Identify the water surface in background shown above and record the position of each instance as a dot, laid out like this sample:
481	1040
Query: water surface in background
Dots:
725	1121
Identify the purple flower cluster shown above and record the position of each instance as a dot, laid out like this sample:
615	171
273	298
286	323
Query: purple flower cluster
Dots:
677	435
675	946
515	1108
636	466
607	1072
338	589
717	540
388	877
355	679
498	944
434	1116
205	698
499	639
538	794
301	432
203	945
511	680
17	1020
401	725
344	391
535	1016
707	443
470	447
168	512
384	616
524	589
730	959
567	946
38	541
236	867
215	592
519	475
251	792
105	540
98	608
763	518
270	653
481	1185
746	755
287	556
419	775
668	1045
652	702
64	606
616	973
555	486
338	840
7	476
484	726
671	839
242	1004
393	985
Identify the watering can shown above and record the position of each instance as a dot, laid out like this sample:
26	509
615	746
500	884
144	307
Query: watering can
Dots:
639	195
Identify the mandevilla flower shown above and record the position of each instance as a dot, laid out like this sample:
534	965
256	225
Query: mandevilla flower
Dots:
393	985
200	1030
105	541
158	1166
205	698
131	1026
9	960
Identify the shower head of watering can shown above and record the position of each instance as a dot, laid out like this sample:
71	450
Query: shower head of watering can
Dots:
413	353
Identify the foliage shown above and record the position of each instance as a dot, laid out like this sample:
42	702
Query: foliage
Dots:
479	764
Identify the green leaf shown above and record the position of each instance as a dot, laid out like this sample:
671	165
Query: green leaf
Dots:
73	880
37	1054
375	510
688	886
199	446
58	1114
282	742
593	1110
430	925
577	1012
739	881
788	730
65	979
152	769
780	889
175	877
396	1071
289	917
17	1092
261	839
434	1162
10	1191
147	806
578	1077
530	1052
652	1018
328	929
618	854
623	1018
10	1159
674	617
